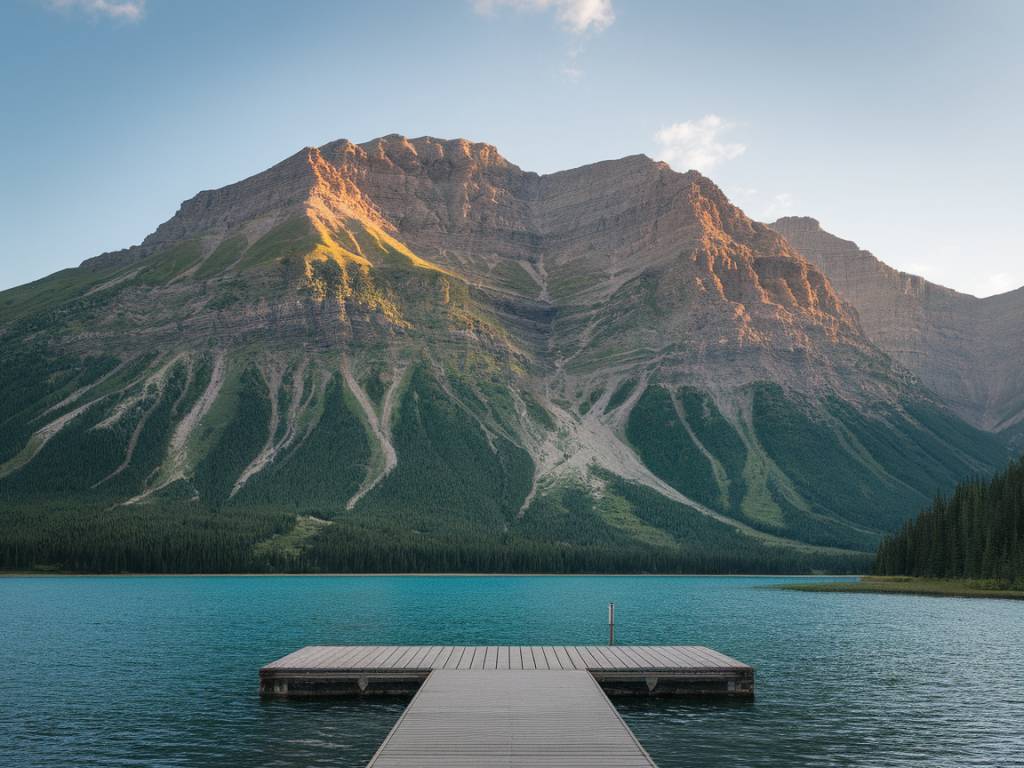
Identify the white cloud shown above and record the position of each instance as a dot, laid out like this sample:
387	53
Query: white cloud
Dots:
780	205
578	16
125	10
1000	282
697	144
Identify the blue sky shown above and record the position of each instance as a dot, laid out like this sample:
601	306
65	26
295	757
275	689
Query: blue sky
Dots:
897	124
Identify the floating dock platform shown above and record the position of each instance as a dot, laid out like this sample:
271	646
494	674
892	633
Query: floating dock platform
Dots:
621	670
508	706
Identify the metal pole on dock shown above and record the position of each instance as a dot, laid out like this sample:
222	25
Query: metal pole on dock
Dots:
611	623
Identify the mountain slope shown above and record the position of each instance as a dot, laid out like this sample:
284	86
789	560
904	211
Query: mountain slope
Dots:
965	349
411	354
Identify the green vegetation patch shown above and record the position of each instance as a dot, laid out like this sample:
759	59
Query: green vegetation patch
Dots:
537	412
166	265
53	290
295	237
291	544
449	479
621	394
325	470
164	537
224	255
667	449
242	438
510	274
975	533
907	585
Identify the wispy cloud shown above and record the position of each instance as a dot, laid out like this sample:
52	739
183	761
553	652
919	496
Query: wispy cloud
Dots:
697	144
578	16
976	282
780	205
124	10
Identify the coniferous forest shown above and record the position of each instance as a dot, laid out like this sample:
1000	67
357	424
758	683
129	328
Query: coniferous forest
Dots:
975	533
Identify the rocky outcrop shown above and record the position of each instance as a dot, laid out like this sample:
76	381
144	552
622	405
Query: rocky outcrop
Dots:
967	350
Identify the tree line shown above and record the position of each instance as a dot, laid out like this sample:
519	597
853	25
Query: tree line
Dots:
975	533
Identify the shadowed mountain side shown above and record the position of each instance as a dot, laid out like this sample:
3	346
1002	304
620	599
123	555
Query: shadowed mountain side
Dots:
966	350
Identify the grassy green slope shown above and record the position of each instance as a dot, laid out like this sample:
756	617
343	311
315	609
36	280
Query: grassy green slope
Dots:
833	475
324	471
449	479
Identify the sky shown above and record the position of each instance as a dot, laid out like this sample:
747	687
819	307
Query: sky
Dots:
896	124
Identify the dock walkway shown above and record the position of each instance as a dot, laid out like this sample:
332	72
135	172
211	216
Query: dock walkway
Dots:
508	706
510	719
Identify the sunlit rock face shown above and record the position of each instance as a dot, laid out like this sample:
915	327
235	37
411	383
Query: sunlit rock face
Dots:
627	260
967	350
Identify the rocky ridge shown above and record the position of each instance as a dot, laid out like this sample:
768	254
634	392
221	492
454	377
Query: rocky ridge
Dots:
967	350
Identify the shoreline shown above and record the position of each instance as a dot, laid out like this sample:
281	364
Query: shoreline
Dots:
906	585
453	574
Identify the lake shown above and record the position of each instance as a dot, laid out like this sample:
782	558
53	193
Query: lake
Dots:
162	670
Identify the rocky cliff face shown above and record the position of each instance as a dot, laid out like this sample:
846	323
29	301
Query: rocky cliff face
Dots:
967	350
418	338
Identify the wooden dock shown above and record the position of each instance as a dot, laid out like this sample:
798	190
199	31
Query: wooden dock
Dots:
658	670
510	718
508	706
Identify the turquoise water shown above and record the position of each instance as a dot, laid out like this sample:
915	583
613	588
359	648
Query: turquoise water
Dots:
162	671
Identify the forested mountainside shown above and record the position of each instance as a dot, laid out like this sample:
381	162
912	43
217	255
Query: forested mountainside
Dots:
413	355
977	532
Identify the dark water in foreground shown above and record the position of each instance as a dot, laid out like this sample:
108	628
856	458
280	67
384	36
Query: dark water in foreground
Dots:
162	671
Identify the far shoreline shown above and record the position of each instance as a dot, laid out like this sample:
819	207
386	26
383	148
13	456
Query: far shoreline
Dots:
250	574
908	585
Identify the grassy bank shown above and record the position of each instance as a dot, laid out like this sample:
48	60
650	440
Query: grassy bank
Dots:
910	585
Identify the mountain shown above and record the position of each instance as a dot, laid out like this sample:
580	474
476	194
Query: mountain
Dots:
412	354
966	350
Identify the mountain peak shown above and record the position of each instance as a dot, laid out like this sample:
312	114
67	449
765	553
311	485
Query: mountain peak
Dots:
806	222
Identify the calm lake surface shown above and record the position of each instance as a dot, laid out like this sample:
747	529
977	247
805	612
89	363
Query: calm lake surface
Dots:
162	671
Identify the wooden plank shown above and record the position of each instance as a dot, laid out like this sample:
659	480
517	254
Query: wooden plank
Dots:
491	657
442	657
551	657
601	657
510	719
563	658
624	660
528	661
384	658
723	661
342	660
417	658
575	657
453	662
504	655
685	657
515	657
632	654
467	657
479	656
538	657
404	657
